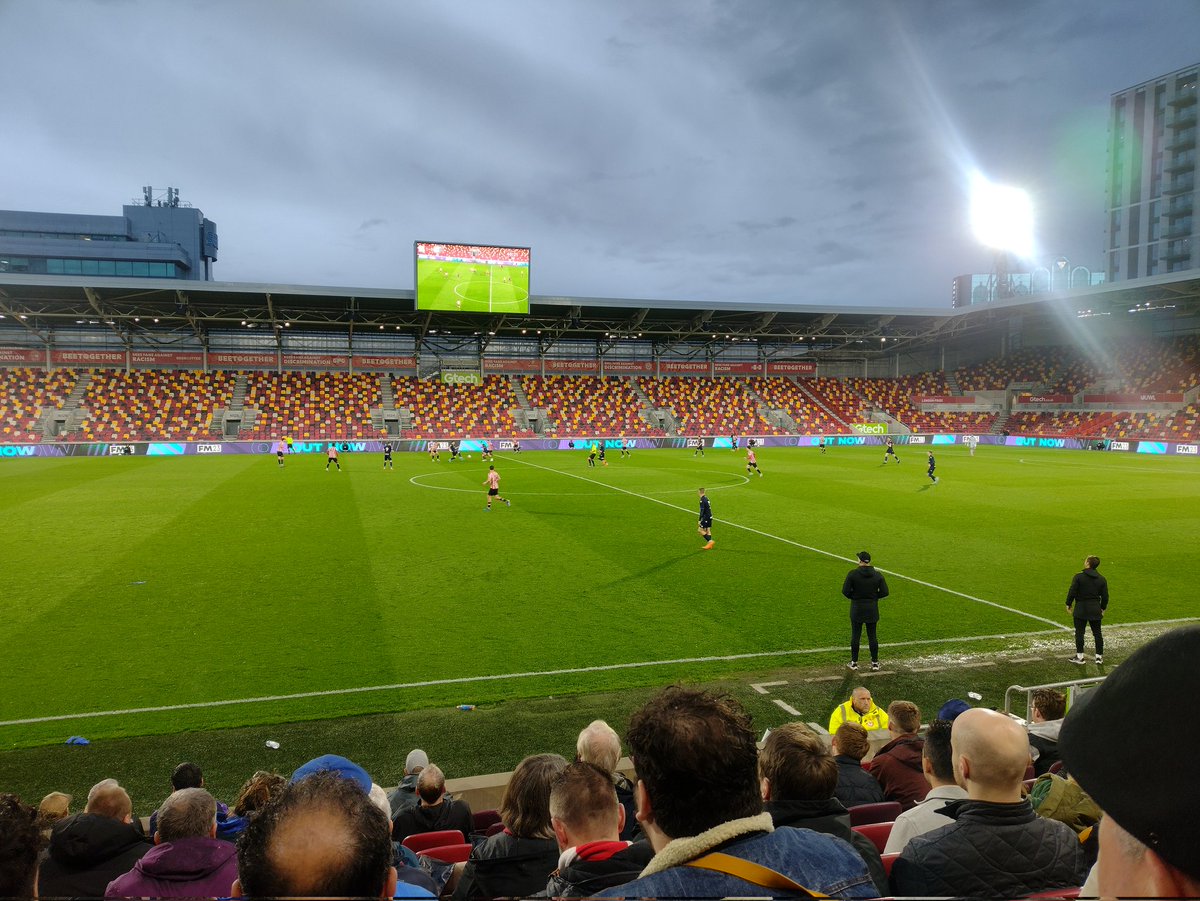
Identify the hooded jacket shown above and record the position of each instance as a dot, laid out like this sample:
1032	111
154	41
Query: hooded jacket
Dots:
865	587
1089	594
897	766
506	866
188	868
86	853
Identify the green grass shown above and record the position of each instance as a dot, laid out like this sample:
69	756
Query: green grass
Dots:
472	287
145	582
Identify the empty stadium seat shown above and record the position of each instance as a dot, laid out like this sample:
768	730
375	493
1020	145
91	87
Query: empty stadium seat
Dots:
447	853
877	832
879	812
424	840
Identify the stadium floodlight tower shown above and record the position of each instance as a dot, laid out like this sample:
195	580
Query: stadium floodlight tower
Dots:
1002	219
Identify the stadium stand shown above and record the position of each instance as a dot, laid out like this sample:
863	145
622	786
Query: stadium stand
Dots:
719	406
457	411
153	404
817	406
587	404
24	395
320	405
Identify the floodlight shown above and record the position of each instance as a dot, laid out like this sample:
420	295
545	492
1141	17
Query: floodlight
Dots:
1001	216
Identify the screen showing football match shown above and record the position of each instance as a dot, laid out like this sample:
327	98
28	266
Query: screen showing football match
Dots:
473	278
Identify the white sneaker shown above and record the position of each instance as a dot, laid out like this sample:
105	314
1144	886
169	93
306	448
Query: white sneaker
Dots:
852	665
874	665
1078	659
1099	658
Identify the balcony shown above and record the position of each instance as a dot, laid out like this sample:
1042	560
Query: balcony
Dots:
1181	230
1180	206
1180	251
1185	140
1185	119
1184	185
1182	162
1184	98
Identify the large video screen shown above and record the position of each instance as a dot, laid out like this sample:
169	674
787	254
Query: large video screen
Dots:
472	278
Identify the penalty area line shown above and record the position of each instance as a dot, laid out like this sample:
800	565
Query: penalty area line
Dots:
815	550
608	667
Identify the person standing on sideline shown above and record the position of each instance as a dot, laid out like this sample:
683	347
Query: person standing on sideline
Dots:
331	456
1089	595
889	450
932	466
752	462
387	455
705	528
493	486
865	587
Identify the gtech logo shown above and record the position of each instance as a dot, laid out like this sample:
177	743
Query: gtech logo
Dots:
461	378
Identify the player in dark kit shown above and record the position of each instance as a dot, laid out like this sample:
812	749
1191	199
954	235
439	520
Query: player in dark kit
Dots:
603	462
387	455
890	450
487	451
706	520
733	440
516	446
699	448
455	451
932	467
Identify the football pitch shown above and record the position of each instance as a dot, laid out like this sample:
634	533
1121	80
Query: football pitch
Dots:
172	594
472	287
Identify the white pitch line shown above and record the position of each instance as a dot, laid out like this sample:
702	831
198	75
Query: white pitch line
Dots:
788	708
761	687
466	680
815	550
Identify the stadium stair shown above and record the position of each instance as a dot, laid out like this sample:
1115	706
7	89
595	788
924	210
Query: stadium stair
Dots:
1001	423
952	385
820	403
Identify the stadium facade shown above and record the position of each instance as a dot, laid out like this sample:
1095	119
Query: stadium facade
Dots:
1152	174
156	239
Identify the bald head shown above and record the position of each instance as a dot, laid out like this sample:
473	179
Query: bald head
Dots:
320	836
991	755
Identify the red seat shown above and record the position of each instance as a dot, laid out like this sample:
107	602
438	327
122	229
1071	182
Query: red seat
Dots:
880	812
448	853
423	840
1055	767
888	860
485	820
493	829
1057	893
877	832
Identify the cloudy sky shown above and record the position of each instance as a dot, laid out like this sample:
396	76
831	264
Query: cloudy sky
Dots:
770	151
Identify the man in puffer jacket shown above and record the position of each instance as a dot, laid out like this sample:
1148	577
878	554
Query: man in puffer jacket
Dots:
997	846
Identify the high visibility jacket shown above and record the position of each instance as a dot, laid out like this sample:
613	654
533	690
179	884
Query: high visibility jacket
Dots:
875	718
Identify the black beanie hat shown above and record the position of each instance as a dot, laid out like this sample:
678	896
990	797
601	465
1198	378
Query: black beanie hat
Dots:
1147	791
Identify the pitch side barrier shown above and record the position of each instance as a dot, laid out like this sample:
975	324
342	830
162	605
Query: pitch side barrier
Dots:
475	445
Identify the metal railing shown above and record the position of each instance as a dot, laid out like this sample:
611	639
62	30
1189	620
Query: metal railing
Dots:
1028	690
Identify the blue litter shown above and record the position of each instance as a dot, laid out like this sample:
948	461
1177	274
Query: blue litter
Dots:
77	740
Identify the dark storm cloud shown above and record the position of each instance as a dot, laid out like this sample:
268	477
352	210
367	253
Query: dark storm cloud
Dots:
764	150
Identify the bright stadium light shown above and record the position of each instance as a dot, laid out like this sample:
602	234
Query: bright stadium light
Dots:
1001	216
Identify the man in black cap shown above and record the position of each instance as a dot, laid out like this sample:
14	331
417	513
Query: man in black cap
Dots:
865	587
1148	834
1089	594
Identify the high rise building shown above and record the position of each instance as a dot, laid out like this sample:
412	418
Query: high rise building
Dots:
1152	170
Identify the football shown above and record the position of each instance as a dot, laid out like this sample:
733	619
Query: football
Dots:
468	456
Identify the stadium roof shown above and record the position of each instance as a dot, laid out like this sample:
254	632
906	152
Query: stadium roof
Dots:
49	306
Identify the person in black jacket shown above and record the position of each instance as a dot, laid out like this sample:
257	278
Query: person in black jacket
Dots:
798	776
855	785
587	818
91	849
519	860
1089	595
436	811
997	846
865	587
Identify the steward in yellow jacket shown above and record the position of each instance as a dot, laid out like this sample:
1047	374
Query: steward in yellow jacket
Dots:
859	709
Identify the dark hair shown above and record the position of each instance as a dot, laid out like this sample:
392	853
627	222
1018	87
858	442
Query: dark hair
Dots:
904	715
1050	703
937	749
798	765
257	791
525	808
695	754
852	740
583	794
1093	562
187	775
354	853
20	843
